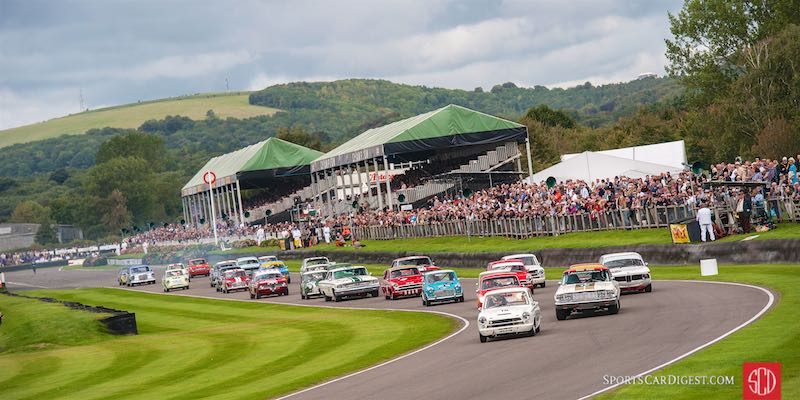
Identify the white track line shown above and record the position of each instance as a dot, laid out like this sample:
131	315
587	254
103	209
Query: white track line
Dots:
350	375
703	346
26	285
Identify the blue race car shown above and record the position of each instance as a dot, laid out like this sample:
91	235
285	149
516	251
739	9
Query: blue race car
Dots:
441	285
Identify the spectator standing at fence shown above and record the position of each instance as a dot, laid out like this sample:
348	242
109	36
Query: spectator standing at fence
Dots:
260	235
792	176
704	219
326	231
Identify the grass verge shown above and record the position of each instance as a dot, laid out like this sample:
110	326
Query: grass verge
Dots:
192	347
772	338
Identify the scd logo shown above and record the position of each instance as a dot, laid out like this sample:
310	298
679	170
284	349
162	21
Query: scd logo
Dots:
761	381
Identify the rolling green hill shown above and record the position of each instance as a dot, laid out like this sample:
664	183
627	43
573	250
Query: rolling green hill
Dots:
234	105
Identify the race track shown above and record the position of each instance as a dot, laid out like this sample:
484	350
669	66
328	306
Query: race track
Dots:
567	360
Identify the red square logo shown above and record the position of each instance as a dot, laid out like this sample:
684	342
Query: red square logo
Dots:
761	381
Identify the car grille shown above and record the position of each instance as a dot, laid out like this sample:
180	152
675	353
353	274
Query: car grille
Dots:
636	277
142	277
534	274
584	296
445	293
356	284
504	322
237	284
622	279
409	287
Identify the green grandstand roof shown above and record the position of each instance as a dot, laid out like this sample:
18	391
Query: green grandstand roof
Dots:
425	131
270	154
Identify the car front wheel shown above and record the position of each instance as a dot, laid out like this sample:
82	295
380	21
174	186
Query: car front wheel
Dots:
614	308
561	314
482	338
648	288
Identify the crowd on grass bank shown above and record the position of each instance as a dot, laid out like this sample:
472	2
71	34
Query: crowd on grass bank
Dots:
779	179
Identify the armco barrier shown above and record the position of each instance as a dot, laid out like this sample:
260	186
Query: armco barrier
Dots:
119	323
741	252
125	261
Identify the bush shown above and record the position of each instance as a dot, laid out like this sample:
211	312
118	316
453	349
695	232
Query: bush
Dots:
240	244
269	243
95	261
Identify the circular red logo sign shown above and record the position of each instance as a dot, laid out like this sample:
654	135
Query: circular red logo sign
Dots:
209	177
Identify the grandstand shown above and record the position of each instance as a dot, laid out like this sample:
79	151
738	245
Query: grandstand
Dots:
276	168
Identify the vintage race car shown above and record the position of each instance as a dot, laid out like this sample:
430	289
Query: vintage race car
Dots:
279	265
509	312
313	262
199	267
348	282
441	285
401	282
535	269
515	266
233	279
266	259
586	287
179	266
308	283
137	275
249	264
216	272
423	263
267	283
175	278
630	270
493	280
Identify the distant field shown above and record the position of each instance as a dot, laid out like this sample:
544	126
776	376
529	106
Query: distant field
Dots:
133	115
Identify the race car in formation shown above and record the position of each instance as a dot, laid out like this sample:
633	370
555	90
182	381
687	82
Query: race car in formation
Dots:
509	311
313	263
198	267
219	268
535	269
423	263
401	282
280	266
181	267
586	287
309	281
515	266
348	282
233	279
266	283
175	278
493	280
136	275
629	270
442	285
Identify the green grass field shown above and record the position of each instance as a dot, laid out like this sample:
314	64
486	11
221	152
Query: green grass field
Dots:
189	347
132	115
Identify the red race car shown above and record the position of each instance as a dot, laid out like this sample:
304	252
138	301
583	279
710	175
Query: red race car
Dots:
493	280
268	282
199	267
515	266
401	282
234	279
423	263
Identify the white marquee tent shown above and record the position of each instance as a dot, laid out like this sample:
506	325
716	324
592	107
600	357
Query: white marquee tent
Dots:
668	153
589	166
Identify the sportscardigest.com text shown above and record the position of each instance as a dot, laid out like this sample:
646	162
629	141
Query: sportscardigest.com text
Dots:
669	380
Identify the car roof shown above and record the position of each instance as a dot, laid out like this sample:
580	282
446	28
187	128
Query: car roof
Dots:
510	261
616	256
201	258
410	258
514	256
438	271
315	258
400	267
246	259
485	274
586	267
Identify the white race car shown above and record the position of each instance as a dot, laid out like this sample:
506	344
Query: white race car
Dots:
630	270
509	312
535	269
586	287
347	282
313	262
179	266
175	278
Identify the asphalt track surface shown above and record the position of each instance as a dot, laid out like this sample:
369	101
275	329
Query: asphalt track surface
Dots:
566	360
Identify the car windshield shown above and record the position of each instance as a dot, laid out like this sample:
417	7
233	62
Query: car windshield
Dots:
401	273
268	275
586	276
174	272
527	260
235	274
267	258
498	282
246	262
137	270
320	267
198	262
414	262
316	276
346	273
316	261
508	266
440	277
494	300
627	262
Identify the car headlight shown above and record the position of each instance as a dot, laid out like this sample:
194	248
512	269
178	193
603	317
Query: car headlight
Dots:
482	321
283	283
646	276
309	285
395	285
430	290
526	316
458	288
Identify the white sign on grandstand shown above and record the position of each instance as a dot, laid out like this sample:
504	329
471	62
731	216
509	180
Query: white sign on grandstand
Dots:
672	154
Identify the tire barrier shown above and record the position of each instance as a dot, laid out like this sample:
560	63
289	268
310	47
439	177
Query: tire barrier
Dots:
119	323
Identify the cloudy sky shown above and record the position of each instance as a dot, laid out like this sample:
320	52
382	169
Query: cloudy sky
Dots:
116	52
